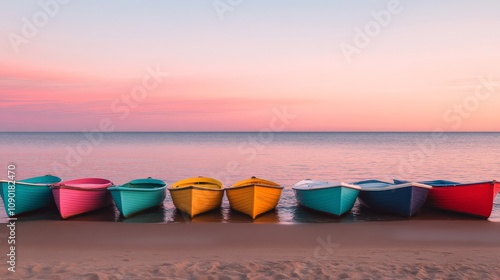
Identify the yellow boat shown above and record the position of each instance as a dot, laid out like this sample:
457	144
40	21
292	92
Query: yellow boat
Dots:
254	196
197	195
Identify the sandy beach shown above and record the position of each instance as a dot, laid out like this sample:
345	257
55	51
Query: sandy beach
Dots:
369	250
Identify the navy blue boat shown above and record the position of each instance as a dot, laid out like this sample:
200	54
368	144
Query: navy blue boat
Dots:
404	199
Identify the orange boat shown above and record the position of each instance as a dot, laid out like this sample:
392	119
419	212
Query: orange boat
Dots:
197	195
254	196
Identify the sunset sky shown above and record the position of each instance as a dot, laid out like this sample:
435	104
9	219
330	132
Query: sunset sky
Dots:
426	65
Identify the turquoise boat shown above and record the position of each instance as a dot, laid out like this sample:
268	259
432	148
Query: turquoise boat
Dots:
138	195
29	195
329	197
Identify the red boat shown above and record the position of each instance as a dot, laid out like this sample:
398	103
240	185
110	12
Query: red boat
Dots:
471	198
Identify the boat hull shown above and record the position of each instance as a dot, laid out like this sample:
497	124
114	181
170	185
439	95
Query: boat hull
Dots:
194	200
404	202
474	199
335	200
29	197
253	200
132	201
72	202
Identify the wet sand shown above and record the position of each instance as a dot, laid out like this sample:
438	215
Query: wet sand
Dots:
367	250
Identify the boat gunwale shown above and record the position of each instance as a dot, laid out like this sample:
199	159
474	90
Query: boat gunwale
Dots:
146	181
254	180
200	180
105	188
24	183
466	184
73	184
28	184
453	184
391	186
254	185
328	186
194	188
121	188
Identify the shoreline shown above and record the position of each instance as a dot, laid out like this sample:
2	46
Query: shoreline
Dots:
402	249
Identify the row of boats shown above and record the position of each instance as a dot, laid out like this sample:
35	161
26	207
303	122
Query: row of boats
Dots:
253	196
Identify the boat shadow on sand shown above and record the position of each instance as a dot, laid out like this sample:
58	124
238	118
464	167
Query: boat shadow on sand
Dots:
270	217
152	215
213	216
163	214
363	213
106	214
47	213
302	214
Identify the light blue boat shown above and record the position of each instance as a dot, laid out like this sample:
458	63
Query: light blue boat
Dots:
329	197
29	195
138	195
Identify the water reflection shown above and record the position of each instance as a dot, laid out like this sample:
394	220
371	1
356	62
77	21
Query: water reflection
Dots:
287	212
153	215
48	213
106	214
265	218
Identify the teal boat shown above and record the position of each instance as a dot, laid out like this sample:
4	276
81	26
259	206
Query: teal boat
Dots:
329	197
138	195
29	195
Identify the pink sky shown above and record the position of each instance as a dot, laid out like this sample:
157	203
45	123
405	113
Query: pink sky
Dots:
229	75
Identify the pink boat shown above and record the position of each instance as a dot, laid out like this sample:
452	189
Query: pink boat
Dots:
81	195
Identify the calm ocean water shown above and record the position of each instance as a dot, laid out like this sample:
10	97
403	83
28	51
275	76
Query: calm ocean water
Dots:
281	157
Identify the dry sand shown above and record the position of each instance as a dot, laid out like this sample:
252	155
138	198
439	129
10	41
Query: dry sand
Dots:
367	250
